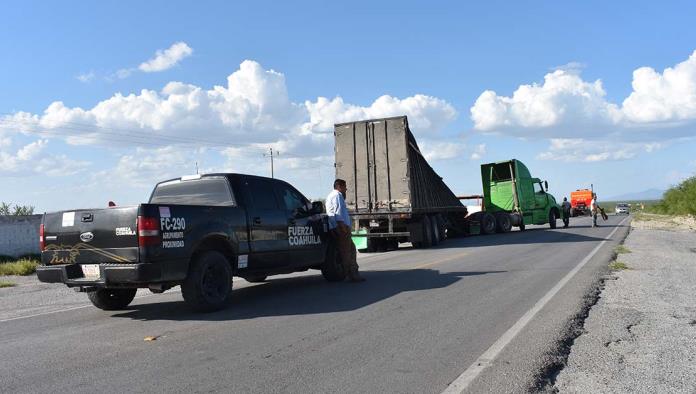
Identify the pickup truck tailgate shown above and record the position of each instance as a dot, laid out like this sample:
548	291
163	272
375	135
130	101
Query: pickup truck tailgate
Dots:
91	236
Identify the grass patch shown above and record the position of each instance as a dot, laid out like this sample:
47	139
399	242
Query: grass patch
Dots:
618	266
4	283
20	267
622	249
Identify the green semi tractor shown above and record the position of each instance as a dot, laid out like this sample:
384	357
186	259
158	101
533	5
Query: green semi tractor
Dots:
513	198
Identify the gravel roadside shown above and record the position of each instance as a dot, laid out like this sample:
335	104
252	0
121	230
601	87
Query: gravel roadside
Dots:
640	337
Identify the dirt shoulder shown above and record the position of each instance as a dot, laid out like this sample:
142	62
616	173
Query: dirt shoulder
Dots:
641	334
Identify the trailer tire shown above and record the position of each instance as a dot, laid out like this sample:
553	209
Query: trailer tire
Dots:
503	222
552	219
332	268
435	228
426	233
112	299
208	285
488	223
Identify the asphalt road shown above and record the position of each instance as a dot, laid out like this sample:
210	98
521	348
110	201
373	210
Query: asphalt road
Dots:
421	319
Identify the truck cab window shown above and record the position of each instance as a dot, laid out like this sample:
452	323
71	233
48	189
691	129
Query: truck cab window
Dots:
538	189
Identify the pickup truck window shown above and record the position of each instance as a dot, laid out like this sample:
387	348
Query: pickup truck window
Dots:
291	199
262	194
205	191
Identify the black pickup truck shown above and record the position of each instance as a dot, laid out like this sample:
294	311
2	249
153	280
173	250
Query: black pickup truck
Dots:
197	232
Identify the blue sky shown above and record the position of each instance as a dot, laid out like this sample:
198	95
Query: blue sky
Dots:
310	64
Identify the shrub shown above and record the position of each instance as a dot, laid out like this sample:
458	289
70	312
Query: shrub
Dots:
19	267
678	200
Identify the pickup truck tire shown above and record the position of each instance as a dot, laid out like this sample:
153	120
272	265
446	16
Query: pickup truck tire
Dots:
332	269
503	222
488	223
112	299
208	285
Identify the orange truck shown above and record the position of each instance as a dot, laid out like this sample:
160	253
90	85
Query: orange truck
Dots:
580	201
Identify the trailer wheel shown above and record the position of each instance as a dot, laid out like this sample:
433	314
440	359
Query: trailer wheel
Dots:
435	228
111	299
488	223
208	285
332	268
503	222
426	233
552	219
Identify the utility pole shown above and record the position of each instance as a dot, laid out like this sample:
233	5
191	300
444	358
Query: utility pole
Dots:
270	154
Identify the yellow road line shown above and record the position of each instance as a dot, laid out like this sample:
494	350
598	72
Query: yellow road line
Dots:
440	261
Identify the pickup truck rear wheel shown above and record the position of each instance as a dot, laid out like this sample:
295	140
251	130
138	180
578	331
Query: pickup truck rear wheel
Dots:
111	299
332	269
208	285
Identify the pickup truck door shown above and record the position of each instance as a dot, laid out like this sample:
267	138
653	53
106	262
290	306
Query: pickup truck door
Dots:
268	225
304	232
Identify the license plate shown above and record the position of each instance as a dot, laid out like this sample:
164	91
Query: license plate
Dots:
90	271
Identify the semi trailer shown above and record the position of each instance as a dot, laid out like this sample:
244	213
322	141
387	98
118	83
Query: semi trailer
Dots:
394	195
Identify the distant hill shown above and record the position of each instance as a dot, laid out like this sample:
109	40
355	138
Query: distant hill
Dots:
650	194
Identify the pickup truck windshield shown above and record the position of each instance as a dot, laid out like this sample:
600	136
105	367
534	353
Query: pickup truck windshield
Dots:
204	191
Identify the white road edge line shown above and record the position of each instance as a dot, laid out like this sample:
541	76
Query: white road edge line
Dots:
463	381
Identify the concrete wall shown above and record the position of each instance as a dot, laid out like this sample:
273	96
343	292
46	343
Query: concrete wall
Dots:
19	235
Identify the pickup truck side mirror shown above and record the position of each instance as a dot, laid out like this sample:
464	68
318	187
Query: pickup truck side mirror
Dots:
317	207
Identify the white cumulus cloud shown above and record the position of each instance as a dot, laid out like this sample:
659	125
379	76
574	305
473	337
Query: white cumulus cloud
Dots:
582	150
565	106
251	111
479	152
32	159
167	58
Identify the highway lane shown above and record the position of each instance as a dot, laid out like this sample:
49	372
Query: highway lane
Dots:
422	318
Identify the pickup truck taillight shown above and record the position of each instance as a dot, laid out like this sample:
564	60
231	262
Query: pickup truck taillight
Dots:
42	241
148	231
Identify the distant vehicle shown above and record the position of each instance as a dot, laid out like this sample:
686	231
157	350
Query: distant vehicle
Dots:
197	232
622	208
580	201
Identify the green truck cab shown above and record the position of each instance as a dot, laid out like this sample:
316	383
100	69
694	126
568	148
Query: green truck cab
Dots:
512	197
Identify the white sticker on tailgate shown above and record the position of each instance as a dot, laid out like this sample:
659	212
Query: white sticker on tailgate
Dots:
90	271
68	219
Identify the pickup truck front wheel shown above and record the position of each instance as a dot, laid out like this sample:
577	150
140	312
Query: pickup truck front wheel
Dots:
208	285
111	299
332	269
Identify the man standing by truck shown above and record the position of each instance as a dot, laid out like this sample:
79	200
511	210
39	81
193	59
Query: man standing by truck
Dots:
594	209
566	212
340	225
